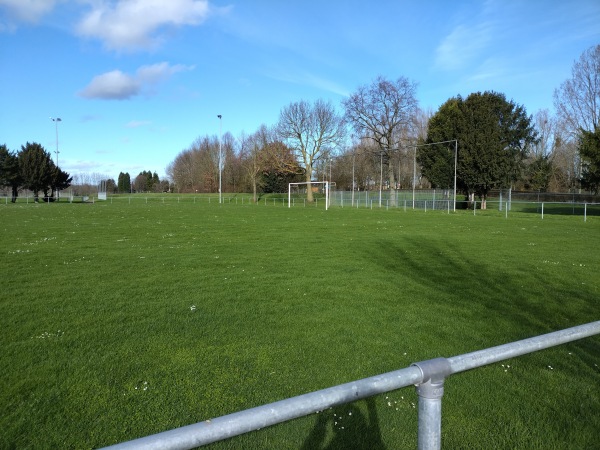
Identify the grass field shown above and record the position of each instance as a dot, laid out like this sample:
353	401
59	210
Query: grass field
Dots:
129	318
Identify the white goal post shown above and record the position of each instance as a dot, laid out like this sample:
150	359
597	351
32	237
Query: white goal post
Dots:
102	190
326	183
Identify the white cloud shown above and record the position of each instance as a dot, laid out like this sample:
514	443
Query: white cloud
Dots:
137	123
116	85
463	45
305	78
160	71
30	11
136	24
27	10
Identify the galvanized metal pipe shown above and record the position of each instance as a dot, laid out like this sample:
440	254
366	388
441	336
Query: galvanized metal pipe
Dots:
429	376
224	427
491	355
435	372
430	392
430	424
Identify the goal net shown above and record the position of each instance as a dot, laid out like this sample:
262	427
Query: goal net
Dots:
296	188
102	190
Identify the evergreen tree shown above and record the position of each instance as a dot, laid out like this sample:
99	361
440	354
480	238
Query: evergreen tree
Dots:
9	171
494	136
124	182
36	168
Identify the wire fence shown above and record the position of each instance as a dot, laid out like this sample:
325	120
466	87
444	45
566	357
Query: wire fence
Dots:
542	204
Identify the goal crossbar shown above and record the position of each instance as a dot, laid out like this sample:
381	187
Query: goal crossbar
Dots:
326	183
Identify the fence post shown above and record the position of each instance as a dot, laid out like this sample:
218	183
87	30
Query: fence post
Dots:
585	212
430	393
542	210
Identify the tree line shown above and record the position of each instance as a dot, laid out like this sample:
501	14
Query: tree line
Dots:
31	168
382	137
145	181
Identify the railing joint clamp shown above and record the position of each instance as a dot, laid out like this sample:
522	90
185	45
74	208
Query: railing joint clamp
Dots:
435	371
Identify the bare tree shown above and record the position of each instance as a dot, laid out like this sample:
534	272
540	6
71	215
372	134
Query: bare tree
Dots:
181	171
250	151
311	131
229	161
422	117
384	112
577	100
140	183
546	127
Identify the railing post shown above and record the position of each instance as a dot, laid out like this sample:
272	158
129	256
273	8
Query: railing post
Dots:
430	393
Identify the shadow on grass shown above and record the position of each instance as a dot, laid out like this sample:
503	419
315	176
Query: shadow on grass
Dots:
511	302
346	427
565	209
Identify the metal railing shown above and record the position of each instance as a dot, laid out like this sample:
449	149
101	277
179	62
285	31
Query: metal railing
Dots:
428	376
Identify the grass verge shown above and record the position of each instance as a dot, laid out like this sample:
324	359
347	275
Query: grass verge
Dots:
125	319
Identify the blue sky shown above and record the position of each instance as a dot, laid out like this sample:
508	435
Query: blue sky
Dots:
137	81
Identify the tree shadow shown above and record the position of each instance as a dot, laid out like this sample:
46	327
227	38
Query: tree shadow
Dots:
562	209
495	297
346	427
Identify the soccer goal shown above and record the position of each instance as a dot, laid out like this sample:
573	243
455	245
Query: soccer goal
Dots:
326	183
102	190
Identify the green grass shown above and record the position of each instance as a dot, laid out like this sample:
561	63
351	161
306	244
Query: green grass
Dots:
129	318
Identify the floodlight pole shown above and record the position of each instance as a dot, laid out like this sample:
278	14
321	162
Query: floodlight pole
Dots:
380	177
58	119
353	156
455	164
414	174
220	154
